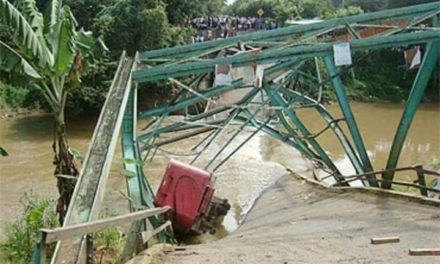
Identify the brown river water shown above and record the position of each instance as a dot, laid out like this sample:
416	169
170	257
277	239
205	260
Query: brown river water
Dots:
241	180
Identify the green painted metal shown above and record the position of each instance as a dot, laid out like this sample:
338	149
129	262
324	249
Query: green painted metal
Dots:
345	143
237	132
89	190
278	100
429	61
421	179
283	137
352	31
217	133
155	135
303	147
349	118
176	126
191	100
138	189
253	134
271	56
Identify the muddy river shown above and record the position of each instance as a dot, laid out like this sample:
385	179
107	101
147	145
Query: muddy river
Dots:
241	180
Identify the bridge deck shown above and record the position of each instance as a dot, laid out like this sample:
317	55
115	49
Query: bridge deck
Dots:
294	222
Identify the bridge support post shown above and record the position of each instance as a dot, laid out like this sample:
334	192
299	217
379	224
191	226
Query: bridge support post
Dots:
349	117
417	92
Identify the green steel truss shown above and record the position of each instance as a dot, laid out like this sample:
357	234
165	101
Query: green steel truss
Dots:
286	50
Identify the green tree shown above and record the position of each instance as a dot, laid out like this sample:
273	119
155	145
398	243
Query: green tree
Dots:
180	11
50	54
85	10
312	8
277	10
342	12
134	25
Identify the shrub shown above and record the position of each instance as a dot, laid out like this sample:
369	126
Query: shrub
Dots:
23	233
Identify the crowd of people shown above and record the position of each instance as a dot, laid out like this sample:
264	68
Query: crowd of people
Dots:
214	27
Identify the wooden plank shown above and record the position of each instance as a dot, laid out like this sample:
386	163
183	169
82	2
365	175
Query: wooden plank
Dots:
67	232
424	251
147	235
384	240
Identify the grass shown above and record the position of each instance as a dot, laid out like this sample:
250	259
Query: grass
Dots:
109	243
23	233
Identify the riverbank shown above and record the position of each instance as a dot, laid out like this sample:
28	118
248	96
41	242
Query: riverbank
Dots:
297	222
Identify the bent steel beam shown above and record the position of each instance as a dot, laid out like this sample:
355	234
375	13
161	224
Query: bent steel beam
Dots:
349	118
345	143
191	100
89	189
279	101
429	61
271	56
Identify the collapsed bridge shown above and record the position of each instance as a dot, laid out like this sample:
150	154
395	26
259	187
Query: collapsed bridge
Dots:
204	72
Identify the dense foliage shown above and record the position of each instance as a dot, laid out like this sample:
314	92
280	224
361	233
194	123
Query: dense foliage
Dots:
278	10
179	11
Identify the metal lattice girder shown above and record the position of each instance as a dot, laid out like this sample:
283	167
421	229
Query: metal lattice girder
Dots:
185	124
273	56
345	143
89	190
269	130
191	100
178	125
278	100
139	191
293	31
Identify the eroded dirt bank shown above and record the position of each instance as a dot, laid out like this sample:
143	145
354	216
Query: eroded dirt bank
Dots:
295	222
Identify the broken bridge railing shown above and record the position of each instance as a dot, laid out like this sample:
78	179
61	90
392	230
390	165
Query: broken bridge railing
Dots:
419	184
50	236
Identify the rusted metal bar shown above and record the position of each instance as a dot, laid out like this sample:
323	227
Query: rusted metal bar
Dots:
391	182
421	179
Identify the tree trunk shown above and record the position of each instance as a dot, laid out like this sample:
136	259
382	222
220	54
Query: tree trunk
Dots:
64	169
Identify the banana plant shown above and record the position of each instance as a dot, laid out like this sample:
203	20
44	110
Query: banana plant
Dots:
49	53
3	152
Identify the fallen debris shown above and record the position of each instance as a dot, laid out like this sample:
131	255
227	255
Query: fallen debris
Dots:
384	240
424	251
